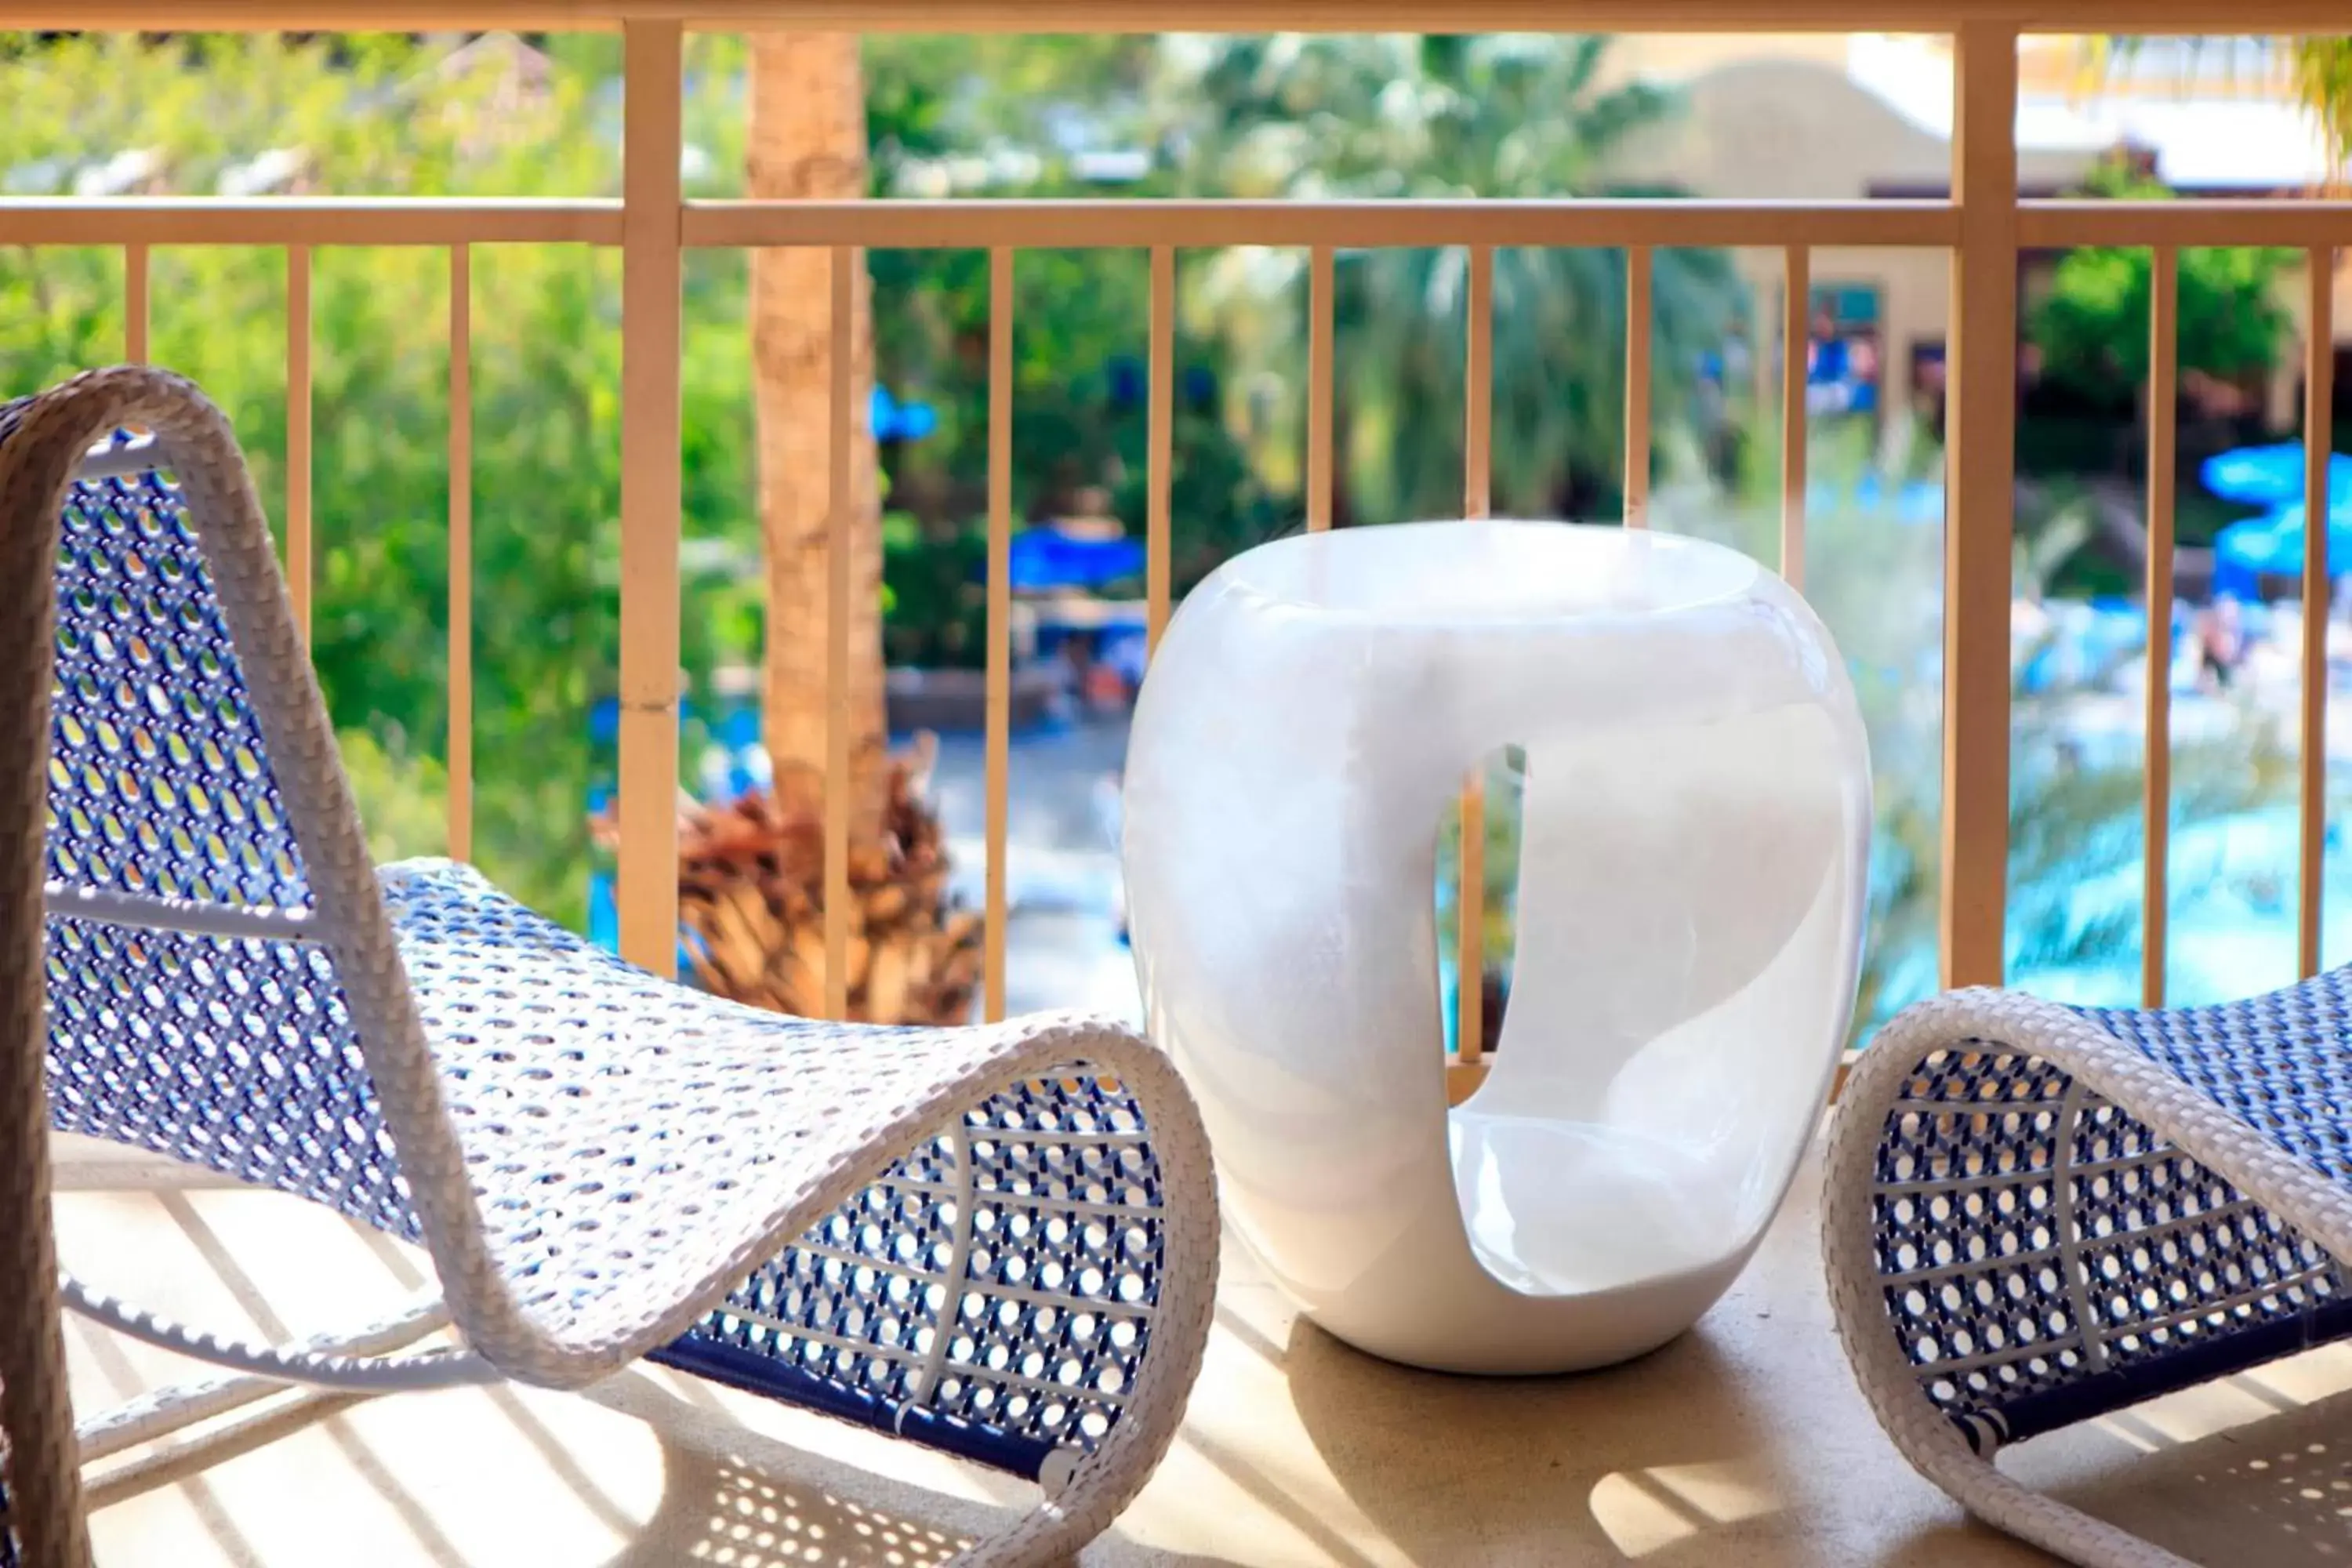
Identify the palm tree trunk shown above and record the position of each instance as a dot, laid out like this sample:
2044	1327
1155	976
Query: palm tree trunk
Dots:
808	142
752	875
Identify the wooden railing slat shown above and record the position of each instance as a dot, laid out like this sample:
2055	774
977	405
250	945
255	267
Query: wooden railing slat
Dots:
1979	464
2163	410
651	462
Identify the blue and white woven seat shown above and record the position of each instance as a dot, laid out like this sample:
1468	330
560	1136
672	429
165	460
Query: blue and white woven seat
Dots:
999	1242
2037	1215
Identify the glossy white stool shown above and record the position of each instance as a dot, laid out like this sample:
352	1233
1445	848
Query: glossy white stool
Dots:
1692	868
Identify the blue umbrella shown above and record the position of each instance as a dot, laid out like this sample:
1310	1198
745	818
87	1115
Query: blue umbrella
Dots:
2271	476
2272	546
897	421
1048	558
2233	579
2290	516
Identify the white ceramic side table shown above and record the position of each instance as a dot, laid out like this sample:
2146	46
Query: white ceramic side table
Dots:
1692	865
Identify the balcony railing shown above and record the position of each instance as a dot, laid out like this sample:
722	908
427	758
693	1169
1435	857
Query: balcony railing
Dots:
1983	225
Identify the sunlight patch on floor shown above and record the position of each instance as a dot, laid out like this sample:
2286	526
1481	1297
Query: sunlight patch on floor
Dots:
1644	1511
1745	1442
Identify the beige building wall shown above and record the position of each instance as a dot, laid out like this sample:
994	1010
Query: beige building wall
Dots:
1799	130
1679	57
1777	117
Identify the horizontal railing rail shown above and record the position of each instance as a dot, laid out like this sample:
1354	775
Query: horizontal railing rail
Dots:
979	225
307	220
2298	224
1072	225
1983	226
2165	17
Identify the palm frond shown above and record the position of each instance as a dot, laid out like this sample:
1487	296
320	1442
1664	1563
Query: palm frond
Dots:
2317	74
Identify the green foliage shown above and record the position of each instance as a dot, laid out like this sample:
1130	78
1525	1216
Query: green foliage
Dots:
396	115
2092	330
403	798
2317	76
1506	115
1079	352
2320	69
383	116
401	115
938	595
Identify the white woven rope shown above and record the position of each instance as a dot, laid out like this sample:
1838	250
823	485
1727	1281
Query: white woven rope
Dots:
288	1363
145	912
784	1329
1995	1022
2079	1169
167	1410
925	1380
556	1316
2070	1233
109	459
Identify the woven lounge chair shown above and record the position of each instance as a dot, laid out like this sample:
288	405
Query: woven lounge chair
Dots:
2037	1215
998	1242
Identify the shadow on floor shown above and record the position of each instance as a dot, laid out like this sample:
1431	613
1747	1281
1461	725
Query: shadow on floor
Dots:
2273	1493
731	1495
1529	1488
2276	1493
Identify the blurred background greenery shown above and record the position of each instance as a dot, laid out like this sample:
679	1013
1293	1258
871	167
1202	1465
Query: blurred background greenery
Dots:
263	114
1262	117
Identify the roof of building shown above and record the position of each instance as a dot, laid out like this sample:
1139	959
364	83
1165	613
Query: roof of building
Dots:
2210	135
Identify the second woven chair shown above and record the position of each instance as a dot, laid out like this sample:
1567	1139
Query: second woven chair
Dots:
2036	1216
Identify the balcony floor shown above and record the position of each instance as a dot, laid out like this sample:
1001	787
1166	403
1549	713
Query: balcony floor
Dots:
1744	1442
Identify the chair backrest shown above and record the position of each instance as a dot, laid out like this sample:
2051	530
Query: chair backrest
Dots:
187	1015
196	954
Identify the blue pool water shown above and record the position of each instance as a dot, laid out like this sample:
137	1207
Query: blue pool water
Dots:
2233	908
